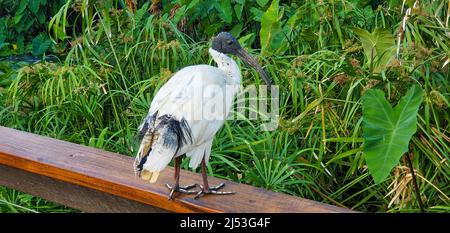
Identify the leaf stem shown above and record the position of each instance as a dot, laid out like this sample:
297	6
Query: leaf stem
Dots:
416	187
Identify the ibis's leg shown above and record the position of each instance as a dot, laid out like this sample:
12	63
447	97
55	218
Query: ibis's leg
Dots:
206	189
176	187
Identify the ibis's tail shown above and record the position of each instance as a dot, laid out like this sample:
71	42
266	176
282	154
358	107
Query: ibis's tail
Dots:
150	176
147	138
161	139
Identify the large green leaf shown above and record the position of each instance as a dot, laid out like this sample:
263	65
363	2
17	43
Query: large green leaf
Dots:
225	10
273	39
238	8
34	6
379	47
387	130
262	3
19	13
41	44
256	14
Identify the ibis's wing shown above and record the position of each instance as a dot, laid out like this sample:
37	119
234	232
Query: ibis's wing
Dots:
197	94
187	111
186	86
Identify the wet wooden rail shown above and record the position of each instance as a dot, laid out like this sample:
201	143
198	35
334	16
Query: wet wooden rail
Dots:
94	180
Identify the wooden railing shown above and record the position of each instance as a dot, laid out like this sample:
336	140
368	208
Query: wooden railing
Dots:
94	180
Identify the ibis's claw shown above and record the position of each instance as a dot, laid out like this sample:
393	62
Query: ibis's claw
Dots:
180	189
212	190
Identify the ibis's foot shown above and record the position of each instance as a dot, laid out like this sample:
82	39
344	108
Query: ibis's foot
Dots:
180	189
212	190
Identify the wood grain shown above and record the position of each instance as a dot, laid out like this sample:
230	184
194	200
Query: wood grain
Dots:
112	174
71	195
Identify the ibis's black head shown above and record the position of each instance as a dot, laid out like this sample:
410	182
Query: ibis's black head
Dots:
225	43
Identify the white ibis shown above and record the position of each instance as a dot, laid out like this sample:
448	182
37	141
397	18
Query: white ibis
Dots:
171	129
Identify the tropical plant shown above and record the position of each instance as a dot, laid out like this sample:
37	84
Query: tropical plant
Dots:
23	26
378	48
387	130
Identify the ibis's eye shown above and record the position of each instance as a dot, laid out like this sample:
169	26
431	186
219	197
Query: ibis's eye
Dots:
229	42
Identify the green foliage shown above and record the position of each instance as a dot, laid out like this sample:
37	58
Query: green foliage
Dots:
387	130
225	11
24	22
275	31
41	44
210	17
272	174
262	3
13	201
378	47
272	35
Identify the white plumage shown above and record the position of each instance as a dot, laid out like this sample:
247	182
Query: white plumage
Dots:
187	112
184	96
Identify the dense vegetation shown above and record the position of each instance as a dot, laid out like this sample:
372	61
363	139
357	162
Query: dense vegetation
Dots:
340	65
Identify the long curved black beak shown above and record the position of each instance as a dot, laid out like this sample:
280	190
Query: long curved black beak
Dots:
246	57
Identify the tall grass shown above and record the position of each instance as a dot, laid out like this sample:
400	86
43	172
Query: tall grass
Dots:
117	60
